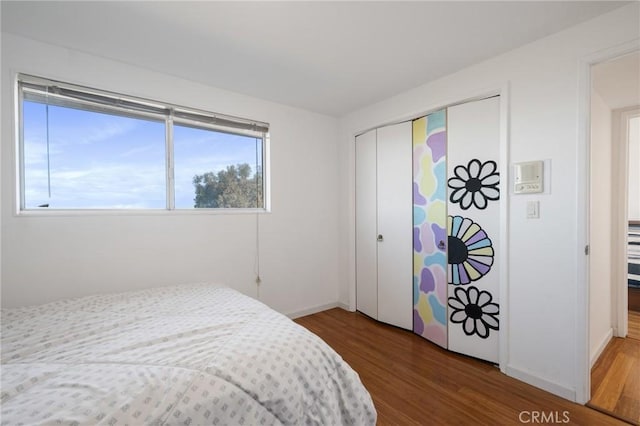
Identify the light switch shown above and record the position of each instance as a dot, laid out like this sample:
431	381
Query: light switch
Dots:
533	209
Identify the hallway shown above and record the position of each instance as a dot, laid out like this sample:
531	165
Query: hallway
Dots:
615	377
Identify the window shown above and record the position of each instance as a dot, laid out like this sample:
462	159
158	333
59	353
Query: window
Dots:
199	153
83	148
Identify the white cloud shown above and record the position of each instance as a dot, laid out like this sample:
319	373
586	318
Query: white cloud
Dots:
138	150
94	131
108	186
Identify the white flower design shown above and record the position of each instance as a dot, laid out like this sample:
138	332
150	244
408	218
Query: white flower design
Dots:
475	310
475	184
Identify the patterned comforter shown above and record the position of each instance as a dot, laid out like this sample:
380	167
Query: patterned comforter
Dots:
184	355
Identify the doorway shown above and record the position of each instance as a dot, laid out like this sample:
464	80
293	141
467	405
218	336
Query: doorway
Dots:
614	348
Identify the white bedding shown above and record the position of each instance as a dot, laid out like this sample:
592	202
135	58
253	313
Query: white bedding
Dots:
183	355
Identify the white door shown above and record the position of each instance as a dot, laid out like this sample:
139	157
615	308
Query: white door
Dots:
473	154
395	225
366	226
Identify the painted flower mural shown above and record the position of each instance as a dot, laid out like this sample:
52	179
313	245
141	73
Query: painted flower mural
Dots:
475	310
475	184
470	251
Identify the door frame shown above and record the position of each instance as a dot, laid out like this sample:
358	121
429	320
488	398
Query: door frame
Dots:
583	165
620	218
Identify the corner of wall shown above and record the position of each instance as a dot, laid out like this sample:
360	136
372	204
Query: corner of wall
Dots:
531	378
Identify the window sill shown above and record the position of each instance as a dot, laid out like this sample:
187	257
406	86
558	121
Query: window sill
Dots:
137	212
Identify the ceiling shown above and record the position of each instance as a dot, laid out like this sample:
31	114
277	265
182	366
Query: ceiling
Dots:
327	57
618	81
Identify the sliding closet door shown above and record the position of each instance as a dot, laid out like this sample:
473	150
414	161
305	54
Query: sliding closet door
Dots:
366	225
473	152
429	228
394	225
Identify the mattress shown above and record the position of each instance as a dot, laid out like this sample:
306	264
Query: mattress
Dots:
187	355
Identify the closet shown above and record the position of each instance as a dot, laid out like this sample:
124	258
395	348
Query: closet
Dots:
427	226
383	225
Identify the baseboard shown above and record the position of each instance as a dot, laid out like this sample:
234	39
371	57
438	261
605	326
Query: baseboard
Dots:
315	310
603	344
346	307
544	384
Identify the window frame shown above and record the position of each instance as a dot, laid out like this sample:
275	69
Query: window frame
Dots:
163	112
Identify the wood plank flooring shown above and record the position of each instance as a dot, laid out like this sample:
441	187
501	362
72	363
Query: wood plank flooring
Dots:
615	377
634	325
414	382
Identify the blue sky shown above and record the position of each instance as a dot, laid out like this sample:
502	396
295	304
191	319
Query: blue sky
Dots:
106	161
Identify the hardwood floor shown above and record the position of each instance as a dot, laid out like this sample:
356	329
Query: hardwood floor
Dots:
634	325
414	382
615	377
634	299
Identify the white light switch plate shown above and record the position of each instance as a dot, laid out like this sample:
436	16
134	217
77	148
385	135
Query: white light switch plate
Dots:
533	209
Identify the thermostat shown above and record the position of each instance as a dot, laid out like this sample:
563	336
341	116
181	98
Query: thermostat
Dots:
528	177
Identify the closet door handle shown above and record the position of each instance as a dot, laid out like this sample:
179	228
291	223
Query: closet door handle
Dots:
380	238
442	245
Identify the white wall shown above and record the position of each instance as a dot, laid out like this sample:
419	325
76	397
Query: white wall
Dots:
51	257
634	168
1	168
600	289
544	254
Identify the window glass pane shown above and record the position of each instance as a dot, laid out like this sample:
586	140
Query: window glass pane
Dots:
91	160
216	170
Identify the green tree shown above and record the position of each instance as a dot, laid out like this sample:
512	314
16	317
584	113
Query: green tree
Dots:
234	187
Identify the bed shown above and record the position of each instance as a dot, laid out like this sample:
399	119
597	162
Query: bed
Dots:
183	355
633	265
